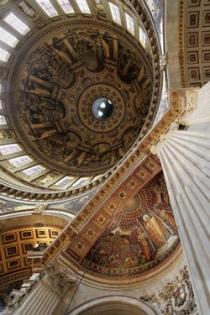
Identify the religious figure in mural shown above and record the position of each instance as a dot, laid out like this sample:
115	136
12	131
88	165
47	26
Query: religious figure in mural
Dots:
155	230
168	218
139	245
90	51
52	68
44	109
127	67
146	249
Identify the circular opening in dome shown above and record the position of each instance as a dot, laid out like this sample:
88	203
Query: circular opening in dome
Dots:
102	108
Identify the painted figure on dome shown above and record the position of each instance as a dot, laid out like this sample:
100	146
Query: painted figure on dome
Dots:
44	110
146	250
155	230
139	244
168	218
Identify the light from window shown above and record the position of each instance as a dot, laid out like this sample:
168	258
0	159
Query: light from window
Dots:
83	6
64	181
130	23
9	149
26	8
82	181
142	37
1	107
34	170
3	120
16	23
20	160
115	11
4	55
48	8
66	6
8	38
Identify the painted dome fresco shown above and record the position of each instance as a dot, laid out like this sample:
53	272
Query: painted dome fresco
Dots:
77	92
58	82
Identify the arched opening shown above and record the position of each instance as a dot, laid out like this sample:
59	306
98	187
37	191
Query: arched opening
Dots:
114	305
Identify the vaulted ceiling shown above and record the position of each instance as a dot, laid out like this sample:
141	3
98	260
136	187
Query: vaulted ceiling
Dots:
126	231
53	138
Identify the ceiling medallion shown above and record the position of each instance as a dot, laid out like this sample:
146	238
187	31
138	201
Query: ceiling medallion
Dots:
81	97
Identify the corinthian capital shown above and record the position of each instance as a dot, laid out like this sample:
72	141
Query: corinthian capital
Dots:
58	277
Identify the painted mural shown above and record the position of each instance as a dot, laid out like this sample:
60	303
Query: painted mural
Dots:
142	235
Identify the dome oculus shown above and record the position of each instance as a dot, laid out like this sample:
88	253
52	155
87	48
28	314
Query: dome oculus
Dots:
102	108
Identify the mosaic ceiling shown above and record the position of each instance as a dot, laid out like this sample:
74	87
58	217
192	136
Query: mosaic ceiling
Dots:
140	237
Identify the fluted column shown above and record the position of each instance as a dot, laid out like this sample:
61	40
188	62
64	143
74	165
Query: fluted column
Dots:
46	294
185	160
42	300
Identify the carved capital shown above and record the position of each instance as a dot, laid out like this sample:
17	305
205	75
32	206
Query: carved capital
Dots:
191	99
176	297
58	277
40	208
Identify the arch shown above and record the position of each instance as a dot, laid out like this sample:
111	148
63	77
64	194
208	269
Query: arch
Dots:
64	215
27	217
114	305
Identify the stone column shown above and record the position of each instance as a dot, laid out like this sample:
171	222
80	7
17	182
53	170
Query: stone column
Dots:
42	300
45	295
185	160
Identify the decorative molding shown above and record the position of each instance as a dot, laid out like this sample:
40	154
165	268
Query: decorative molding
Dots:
175	298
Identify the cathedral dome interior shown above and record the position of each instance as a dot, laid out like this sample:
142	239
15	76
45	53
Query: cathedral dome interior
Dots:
57	73
104	157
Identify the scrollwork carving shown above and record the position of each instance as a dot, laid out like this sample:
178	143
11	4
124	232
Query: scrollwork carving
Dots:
176	298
